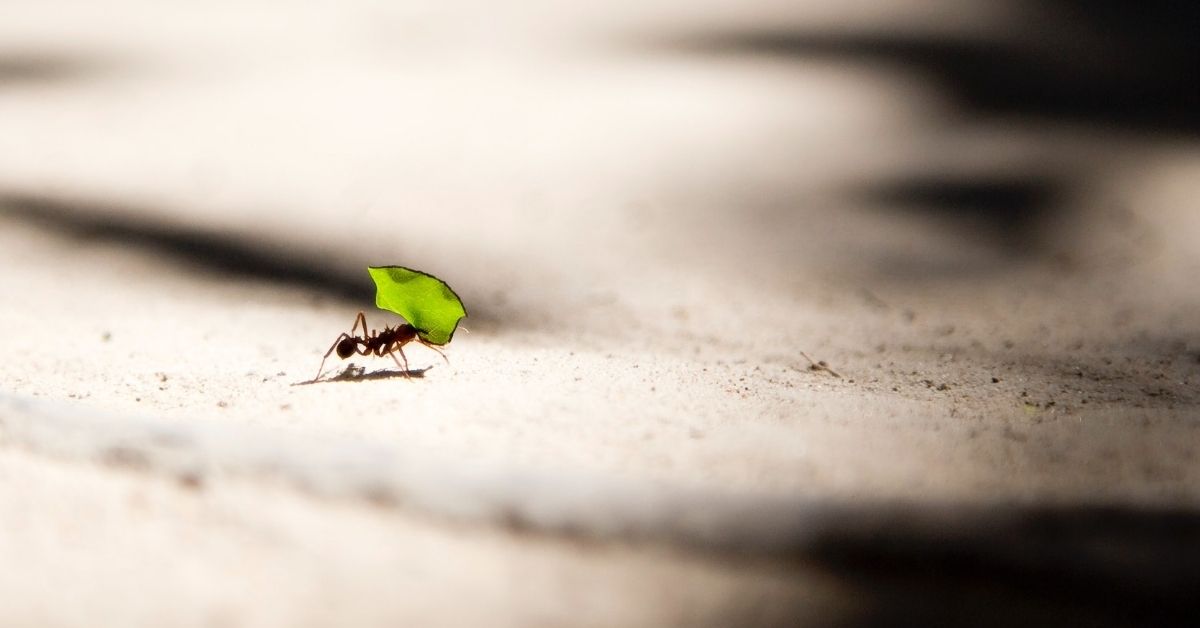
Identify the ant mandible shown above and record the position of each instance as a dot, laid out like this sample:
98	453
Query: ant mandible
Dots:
387	342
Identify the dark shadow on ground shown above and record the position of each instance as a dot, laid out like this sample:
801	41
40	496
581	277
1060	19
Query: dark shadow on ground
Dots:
355	373
243	257
1111	566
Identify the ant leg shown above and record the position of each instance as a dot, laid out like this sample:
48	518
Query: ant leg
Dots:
435	348
326	356
403	366
405	358
360	320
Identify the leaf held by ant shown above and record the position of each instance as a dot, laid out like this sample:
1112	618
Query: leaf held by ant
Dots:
425	301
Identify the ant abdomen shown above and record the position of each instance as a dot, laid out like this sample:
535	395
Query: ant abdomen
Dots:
346	347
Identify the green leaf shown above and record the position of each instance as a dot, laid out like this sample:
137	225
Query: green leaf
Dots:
423	300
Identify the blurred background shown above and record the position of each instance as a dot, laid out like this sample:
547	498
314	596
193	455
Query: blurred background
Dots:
971	137
983	214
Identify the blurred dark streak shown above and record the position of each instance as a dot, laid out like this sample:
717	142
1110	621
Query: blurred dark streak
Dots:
243	257
1009	212
1012	566
1098	66
1149	86
44	68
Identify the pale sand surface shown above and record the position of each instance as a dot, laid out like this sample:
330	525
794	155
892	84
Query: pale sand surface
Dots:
646	239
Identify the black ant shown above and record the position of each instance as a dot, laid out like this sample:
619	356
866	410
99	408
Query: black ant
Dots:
387	342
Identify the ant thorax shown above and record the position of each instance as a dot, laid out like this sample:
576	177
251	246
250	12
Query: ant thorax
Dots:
393	335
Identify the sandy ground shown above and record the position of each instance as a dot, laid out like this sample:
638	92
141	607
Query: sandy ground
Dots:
652	241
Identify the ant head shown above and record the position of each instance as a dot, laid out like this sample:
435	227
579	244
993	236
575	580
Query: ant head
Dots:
345	348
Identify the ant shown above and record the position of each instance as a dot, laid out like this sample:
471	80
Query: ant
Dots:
387	342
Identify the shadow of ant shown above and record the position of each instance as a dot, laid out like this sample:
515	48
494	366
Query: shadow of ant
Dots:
355	373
